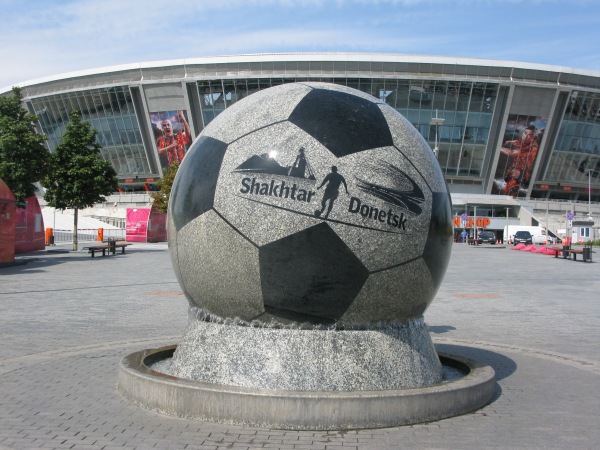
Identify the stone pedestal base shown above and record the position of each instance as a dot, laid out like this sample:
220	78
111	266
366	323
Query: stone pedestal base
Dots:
382	358
302	410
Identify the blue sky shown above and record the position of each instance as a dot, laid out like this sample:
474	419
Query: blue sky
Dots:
42	38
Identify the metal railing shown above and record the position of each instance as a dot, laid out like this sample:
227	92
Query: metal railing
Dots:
128	197
88	234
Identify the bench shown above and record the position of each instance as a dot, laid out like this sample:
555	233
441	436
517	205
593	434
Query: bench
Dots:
556	250
586	255
111	247
574	252
96	248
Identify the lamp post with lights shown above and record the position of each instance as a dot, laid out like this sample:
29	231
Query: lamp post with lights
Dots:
436	122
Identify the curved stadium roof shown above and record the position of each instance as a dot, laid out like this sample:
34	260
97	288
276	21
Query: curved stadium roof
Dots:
481	100
377	64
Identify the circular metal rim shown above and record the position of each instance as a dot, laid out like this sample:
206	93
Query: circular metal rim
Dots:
303	410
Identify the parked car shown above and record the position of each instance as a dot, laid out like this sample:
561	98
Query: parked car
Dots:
522	237
486	237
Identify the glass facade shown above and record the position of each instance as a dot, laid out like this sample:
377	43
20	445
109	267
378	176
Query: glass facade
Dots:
465	106
476	102
577	148
111	113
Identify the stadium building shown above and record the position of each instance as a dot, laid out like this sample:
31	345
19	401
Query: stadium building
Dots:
517	142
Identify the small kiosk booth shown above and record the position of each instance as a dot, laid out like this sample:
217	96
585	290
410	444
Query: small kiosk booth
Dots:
145	225
582	230
29	227
8	217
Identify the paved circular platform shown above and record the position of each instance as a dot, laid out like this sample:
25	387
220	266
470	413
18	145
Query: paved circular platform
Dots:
148	388
68	320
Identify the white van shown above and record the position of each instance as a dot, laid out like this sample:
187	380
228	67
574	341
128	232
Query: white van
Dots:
538	233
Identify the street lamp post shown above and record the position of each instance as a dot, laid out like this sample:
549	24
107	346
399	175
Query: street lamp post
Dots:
505	240
547	225
436	122
475	225
590	193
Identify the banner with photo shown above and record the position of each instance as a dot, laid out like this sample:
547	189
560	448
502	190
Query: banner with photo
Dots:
172	136
520	145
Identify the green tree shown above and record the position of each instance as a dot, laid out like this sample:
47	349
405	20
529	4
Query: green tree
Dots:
77	176
160	199
23	156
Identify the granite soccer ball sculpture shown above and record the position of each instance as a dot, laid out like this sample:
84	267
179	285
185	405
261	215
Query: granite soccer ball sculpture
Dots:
310	204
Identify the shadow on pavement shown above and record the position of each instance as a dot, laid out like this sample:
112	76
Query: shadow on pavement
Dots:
438	329
502	365
32	265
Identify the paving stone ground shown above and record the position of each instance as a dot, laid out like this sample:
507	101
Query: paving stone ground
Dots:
66	320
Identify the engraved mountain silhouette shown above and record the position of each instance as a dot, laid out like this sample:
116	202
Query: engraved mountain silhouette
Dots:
265	164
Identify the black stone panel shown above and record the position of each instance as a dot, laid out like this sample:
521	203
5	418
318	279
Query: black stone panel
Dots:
310	276
194	187
439	239
342	122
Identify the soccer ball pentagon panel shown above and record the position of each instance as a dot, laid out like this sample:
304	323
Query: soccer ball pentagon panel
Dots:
313	204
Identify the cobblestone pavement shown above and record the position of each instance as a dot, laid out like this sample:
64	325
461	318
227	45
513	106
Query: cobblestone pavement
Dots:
67	320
